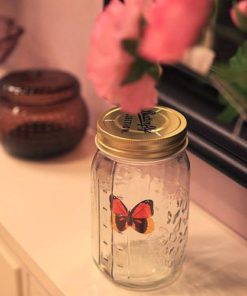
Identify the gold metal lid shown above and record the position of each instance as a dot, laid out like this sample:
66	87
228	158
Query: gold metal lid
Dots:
153	134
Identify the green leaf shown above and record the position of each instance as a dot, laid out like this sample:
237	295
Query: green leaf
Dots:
142	25
235	72
130	46
222	101
143	22
238	76
136	72
154	71
228	115
242	19
239	60
140	67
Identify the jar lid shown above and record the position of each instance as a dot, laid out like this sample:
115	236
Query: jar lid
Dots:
152	134
38	87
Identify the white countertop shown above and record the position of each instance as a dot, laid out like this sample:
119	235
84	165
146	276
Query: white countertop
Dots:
45	207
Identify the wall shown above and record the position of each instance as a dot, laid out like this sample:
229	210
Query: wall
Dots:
219	195
57	35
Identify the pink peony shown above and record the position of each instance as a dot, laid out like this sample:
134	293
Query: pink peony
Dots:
242	7
109	64
174	25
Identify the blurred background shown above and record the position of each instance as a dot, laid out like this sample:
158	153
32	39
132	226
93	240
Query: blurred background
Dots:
56	36
50	221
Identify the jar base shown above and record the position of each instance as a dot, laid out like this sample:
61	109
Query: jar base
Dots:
143	286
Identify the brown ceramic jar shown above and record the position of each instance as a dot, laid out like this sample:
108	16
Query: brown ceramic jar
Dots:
41	113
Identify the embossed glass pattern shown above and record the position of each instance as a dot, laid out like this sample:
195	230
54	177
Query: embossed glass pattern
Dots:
132	250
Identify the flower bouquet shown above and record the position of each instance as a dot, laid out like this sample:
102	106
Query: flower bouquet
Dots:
131	40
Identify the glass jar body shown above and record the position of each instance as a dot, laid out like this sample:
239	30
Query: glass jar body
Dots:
151	255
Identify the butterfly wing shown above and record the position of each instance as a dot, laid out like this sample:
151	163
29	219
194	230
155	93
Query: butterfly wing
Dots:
119	214
141	216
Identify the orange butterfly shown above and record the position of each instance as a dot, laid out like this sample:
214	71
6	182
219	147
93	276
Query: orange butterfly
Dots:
139	218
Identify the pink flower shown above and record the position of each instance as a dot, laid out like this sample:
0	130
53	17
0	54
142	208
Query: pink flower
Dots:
173	26
109	64
242	7
136	96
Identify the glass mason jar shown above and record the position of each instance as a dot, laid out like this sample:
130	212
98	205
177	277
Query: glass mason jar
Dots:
140	196
41	113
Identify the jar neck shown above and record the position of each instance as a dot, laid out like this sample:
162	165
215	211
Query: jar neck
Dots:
143	161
